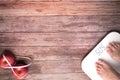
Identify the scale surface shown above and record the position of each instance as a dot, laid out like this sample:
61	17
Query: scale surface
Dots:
99	52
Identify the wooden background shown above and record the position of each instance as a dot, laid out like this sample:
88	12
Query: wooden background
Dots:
57	34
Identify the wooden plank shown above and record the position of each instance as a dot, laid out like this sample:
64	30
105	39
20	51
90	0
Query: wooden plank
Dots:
48	76
53	60
49	39
54	67
5	74
68	76
60	8
62	76
17	1
51	53
7	1
59	24
45	66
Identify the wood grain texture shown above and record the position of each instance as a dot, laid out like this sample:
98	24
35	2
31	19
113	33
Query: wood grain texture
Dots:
68	76
54	24
49	39
60	8
59	61
56	34
14	1
51	53
63	76
56	47
7	1
17	1
56	66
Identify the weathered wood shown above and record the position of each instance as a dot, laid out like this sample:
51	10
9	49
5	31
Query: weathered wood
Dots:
59	24
17	1
56	66
52	67
50	39
51	53
63	76
60	8
7	1
69	62
5	74
57	44
68	76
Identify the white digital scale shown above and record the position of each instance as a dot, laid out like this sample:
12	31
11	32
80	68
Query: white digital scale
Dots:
99	52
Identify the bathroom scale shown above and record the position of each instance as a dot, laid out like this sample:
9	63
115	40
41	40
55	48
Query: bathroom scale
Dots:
99	52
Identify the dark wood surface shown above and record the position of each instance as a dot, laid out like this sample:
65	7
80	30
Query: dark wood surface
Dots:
57	34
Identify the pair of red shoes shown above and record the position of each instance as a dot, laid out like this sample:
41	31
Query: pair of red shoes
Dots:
19	67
